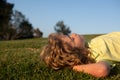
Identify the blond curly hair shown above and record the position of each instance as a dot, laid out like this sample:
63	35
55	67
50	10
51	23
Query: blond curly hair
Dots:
58	54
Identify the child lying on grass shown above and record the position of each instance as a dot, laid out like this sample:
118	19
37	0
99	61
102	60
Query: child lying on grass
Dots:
96	57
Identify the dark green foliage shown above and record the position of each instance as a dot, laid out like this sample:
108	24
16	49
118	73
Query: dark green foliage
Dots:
25	30
19	60
5	17
37	33
13	24
62	28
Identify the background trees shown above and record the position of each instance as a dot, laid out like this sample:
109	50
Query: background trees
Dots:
23	28
13	24
37	33
62	28
5	17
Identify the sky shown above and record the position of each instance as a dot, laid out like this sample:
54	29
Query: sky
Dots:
81	16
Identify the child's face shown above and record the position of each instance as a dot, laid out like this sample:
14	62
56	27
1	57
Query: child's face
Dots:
74	40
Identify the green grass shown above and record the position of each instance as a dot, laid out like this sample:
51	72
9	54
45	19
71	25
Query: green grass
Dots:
19	60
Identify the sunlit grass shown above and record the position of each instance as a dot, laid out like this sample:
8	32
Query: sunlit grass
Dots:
19	60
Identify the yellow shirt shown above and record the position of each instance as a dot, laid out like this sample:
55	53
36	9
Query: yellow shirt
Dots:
106	48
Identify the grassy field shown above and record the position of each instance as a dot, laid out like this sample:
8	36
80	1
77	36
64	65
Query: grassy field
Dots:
19	60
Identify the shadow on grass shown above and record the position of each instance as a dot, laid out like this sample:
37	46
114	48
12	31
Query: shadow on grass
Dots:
116	70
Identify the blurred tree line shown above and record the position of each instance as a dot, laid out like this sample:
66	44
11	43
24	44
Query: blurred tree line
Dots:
14	25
